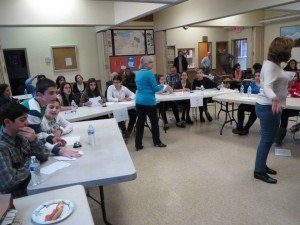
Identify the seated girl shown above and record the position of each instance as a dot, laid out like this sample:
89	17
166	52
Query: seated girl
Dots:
184	85
66	96
91	91
53	122
206	83
5	94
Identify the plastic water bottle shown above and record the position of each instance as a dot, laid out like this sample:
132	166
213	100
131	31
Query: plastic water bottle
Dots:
25	92
35	171
242	89
249	91
91	135
74	107
222	86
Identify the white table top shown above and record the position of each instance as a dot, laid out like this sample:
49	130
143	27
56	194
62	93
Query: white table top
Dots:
76	194
176	96
108	163
22	97
85	112
291	103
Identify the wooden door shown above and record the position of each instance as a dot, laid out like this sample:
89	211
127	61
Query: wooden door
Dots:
203	48
220	45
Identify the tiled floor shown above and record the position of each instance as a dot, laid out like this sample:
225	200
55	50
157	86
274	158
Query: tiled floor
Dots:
204	178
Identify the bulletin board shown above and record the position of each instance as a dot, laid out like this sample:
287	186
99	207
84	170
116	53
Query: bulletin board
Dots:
64	58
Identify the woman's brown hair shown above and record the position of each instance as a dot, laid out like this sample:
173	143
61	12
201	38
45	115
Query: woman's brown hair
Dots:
280	49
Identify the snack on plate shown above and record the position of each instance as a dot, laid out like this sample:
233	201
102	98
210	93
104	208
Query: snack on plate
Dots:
56	212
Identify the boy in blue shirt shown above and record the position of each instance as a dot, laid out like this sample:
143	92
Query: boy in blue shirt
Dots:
241	129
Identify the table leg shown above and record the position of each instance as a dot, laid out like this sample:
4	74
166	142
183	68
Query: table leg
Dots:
101	203
229	118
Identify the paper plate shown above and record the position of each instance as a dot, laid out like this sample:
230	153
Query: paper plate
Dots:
39	214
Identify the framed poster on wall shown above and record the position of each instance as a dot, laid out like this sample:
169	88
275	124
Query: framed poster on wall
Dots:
150	42
129	42
64	58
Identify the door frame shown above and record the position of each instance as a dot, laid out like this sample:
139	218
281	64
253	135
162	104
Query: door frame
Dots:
26	56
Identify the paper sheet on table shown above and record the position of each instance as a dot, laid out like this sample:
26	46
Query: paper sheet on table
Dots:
64	158
196	101
248	98
95	101
71	140
121	114
54	167
125	103
283	152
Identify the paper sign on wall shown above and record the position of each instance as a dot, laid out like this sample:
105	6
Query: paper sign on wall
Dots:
121	114
68	61
196	101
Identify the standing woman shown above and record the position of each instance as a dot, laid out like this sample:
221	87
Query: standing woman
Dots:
65	96
274	86
146	103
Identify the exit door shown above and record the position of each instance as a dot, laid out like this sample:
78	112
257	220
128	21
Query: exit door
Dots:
17	69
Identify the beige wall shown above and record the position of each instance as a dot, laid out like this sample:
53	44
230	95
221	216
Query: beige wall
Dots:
189	39
38	41
273	30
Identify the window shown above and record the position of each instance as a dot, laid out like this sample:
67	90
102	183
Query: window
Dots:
240	52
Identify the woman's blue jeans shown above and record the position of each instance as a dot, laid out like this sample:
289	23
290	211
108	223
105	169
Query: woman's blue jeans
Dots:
269	124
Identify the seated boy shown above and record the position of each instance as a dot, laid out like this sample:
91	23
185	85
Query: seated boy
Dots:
45	94
18	143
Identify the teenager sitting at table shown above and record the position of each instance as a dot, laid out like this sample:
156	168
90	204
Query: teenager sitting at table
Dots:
237	77
53	123
184	86
18	143
79	85
46	94
91	91
5	94
119	93
241	129
66	96
172	79
294	91
162	105
59	80
29	86
207	84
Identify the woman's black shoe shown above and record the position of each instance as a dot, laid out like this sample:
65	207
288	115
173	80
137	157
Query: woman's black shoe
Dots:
202	120
139	148
270	171
160	145
265	177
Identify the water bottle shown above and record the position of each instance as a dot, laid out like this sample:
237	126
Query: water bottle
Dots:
201	90
25	92
74	107
222	86
242	89
249	91
91	135
35	171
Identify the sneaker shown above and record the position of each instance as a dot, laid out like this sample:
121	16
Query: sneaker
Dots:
202	120
243	132
235	131
189	121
